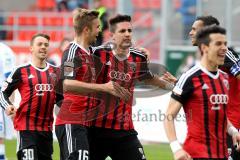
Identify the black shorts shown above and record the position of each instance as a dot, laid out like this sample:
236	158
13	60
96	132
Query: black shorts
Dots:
34	145
73	141
126	147
235	155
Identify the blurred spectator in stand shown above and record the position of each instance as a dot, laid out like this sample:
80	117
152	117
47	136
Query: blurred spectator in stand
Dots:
56	55
70	5
62	6
103	17
188	13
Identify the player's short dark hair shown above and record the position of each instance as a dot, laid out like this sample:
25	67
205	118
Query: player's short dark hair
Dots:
118	19
203	35
208	20
39	35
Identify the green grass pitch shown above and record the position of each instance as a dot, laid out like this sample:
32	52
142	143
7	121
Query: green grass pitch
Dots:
153	152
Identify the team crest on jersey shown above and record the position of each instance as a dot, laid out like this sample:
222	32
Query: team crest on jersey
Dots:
53	76
225	82
133	66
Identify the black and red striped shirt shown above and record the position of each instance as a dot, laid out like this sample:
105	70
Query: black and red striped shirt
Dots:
112	112
233	109
77	64
204	96
37	88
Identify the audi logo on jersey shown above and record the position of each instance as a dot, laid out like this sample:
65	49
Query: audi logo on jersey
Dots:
43	88
219	99
120	76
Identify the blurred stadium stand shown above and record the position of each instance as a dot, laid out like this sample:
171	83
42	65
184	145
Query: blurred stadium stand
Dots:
22	20
21	25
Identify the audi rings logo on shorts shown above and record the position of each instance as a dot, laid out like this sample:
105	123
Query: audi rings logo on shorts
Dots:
120	76
219	99
44	87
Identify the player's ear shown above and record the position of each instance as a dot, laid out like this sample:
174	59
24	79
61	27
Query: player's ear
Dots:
86	29
31	48
112	36
204	48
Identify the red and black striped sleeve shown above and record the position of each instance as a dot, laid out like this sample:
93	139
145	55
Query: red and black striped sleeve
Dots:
184	86
143	71
71	62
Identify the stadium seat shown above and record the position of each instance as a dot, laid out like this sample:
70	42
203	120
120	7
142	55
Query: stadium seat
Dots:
9	20
53	21
146	23
26	35
55	35
110	4
140	4
26	20
155	4
46	5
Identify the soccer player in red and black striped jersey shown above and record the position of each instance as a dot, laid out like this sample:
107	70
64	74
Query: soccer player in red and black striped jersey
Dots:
37	83
203	93
230	66
79	77
112	133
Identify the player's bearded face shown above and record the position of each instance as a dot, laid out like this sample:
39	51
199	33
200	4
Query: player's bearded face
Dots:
197	25
94	31
40	47
217	49
123	35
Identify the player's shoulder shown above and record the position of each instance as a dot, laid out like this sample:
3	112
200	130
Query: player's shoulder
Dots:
192	72
137	52
186	79
232	52
225	75
24	65
17	70
71	51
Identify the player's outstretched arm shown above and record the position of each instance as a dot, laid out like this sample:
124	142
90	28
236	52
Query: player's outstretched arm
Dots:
159	82
169	77
84	88
8	87
173	109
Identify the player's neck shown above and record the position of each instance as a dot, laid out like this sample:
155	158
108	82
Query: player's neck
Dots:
82	42
121	52
209	66
39	63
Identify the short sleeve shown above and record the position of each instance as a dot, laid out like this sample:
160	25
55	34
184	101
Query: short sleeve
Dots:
144	72
71	62
183	89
